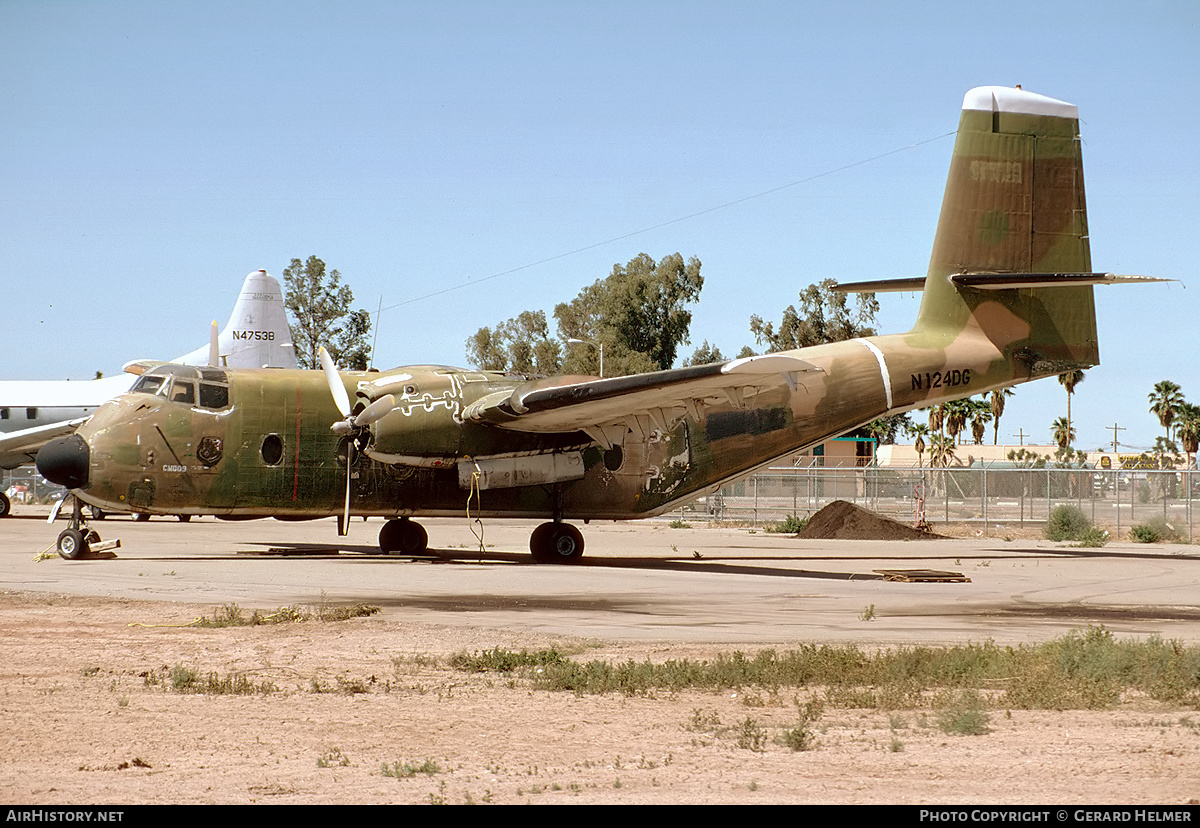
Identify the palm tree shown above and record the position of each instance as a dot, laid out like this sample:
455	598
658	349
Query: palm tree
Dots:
981	415
1165	401
1063	434
919	430
956	418
1068	381
937	419
997	404
1187	428
941	450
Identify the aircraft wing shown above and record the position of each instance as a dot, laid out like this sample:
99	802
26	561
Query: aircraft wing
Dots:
20	447
604	408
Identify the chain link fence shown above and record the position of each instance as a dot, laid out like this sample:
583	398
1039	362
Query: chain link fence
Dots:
991	499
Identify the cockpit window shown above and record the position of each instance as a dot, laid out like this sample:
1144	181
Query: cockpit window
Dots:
149	384
183	391
178	383
213	395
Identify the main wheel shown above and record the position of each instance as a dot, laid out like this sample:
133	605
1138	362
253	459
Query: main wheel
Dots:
5	505
403	537
556	543
72	544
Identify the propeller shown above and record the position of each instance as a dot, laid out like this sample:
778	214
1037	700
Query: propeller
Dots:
214	347
354	424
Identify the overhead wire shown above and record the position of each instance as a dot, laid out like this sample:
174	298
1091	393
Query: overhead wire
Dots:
660	225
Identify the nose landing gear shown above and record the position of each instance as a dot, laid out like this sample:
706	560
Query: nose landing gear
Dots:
79	540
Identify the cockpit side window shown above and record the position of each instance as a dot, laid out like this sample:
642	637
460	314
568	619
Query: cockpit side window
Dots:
213	396
183	391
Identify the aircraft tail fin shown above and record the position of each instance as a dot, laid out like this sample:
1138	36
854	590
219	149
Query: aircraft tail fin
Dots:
1011	255
257	333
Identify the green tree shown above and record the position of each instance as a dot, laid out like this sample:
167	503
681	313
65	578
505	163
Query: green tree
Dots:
638	313
885	430
1062	432
920	431
957	413
1068	381
704	355
981	415
521	344
996	402
824	315
941	450
1187	429
318	305
1165	400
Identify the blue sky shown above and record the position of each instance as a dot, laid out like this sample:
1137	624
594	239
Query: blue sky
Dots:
154	153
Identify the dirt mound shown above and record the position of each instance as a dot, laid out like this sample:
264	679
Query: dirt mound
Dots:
845	521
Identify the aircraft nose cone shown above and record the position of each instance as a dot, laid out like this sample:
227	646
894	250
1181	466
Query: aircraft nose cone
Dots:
64	460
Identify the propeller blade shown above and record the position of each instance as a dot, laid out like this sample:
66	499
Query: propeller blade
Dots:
340	397
375	411
214	347
344	529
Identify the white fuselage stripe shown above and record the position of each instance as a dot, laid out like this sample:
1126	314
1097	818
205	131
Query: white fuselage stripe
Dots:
883	370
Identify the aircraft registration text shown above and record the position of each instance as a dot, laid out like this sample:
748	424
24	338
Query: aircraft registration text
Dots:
939	379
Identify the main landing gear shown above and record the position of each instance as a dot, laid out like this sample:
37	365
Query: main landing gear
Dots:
403	537
556	542
553	542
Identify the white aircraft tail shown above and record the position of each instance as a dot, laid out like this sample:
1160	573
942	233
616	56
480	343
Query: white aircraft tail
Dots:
257	334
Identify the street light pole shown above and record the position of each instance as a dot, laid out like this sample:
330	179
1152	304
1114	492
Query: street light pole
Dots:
597	345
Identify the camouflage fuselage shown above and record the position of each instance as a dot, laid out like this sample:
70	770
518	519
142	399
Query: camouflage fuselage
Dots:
270	450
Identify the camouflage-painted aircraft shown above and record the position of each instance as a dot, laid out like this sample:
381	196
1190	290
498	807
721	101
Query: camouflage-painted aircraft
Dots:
1007	299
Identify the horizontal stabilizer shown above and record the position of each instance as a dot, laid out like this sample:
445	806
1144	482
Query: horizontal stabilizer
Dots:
914	285
1008	281
998	281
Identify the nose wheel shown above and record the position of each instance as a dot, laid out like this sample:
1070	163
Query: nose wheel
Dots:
556	542
76	543
78	540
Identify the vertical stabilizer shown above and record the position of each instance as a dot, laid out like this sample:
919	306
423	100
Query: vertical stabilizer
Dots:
257	333
1014	203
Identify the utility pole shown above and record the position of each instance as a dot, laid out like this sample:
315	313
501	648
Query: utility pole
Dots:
1020	435
1115	429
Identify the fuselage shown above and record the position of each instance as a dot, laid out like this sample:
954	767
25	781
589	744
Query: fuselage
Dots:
252	443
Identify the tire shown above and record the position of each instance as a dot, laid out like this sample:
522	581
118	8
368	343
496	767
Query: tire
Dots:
72	545
141	516
556	543
184	518
5	505
414	540
403	537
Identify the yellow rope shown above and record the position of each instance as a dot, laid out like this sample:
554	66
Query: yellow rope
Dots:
474	493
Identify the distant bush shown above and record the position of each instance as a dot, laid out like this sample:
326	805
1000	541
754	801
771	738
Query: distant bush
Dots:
1093	536
1066	523
1155	530
790	525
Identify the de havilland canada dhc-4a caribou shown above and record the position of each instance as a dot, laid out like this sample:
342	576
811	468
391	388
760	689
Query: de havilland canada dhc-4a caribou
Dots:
1007	299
